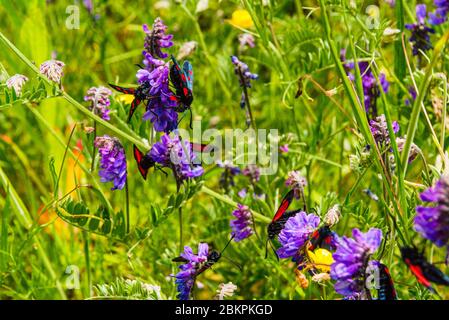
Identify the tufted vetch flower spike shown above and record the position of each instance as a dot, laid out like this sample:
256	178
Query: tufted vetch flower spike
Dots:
113	161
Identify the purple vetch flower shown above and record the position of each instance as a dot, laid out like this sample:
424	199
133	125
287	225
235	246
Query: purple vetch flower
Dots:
16	82
413	94
433	222
246	40
89	5
177	155
242	226
379	129
156	39
99	96
160	109
52	69
227	176
420	38
242	193
185	278
295	234
371	88
241	69
113	161
297	182
284	148
391	3
351	261
252	171
414	149
439	16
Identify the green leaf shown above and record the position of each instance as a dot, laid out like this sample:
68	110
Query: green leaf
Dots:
100	222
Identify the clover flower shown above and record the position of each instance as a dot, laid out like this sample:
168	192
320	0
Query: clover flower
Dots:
351	261
433	222
99	96
225	290
414	149
177	155
185	278
113	161
295	234
16	82
439	16
242	226
53	70
187	49
246	40
420	38
297	182
332	216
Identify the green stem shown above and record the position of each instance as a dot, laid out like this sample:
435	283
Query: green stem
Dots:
52	131
127	206
87	258
413	124
92	165
27	221
227	200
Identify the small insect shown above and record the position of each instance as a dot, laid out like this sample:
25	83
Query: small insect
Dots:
370	194
424	271
386	290
144	162
140	93
213	257
323	237
300	88
280	218
182	80
201	147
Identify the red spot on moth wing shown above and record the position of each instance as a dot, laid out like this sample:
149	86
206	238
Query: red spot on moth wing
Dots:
281	210
138	155
185	91
284	205
123	90
133	107
417	271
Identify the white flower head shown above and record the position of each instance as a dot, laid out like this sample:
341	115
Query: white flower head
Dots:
225	290
16	81
187	49
321	277
52	69
332	216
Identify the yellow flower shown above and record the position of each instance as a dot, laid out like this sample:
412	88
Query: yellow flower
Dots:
322	259
241	18
125	98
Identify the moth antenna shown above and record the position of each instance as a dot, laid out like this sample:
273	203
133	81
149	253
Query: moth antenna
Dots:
191	118
234	263
227	244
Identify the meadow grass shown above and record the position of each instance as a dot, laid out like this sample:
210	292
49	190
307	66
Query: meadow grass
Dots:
47	243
